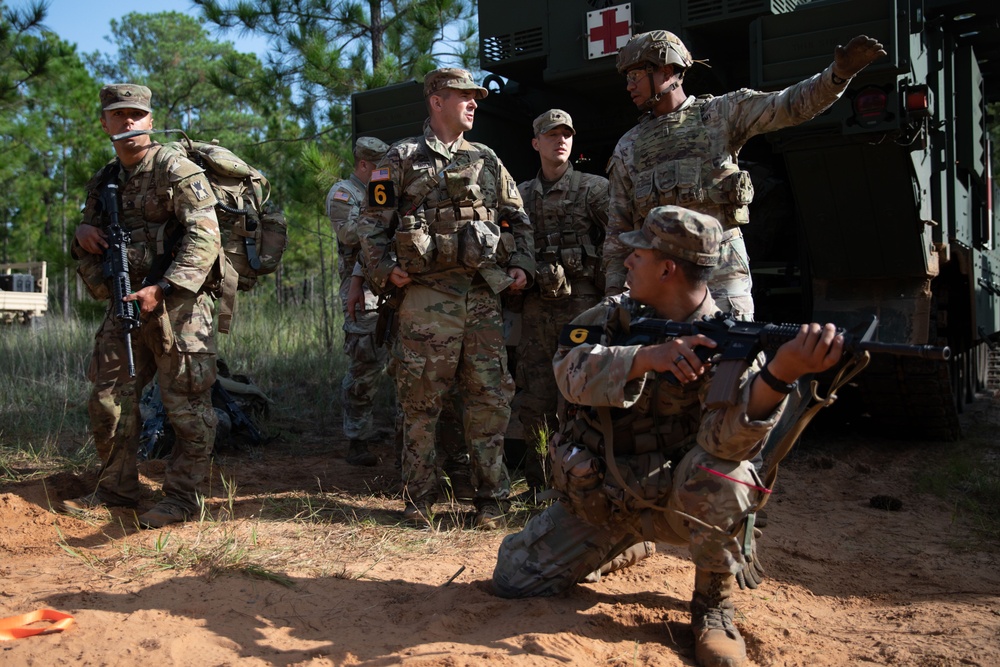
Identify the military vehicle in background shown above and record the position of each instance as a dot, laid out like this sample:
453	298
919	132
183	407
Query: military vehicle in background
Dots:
24	293
882	205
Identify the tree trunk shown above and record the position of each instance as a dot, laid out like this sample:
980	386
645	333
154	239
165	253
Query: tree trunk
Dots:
375	11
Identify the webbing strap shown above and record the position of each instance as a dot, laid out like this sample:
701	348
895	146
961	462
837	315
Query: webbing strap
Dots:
852	367
15	627
227	304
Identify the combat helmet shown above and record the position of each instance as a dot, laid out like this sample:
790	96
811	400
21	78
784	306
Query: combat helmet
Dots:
657	47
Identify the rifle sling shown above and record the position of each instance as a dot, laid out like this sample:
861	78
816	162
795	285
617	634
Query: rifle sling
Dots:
852	367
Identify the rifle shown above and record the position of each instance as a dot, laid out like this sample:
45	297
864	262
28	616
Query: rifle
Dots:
738	344
115	267
236	414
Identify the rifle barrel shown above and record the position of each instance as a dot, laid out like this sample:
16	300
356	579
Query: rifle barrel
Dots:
901	350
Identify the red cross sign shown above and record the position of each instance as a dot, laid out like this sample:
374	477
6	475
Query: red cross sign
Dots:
608	30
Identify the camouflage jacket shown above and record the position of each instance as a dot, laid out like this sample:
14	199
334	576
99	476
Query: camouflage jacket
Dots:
595	371
569	222
688	157
164	191
343	206
439	191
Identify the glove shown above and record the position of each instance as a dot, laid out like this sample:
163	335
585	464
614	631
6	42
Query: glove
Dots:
752	573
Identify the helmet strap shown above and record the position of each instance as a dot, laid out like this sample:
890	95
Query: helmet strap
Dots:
655	99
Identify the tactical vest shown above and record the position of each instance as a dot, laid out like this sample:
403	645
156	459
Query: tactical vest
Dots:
451	220
673	163
565	251
147	209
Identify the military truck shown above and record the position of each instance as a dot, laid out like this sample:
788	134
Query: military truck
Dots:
24	293
882	205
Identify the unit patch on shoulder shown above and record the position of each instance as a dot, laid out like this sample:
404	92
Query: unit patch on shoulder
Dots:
576	334
200	191
342	195
381	190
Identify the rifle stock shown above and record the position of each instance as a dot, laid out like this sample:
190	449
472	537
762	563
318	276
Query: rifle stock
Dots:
738	344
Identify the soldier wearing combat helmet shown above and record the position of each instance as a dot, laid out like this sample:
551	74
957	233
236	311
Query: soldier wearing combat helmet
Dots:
619	391
431	226
684	149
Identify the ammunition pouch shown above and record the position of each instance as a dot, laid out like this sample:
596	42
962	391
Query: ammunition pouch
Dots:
578	475
733	190
551	279
414	244
449	237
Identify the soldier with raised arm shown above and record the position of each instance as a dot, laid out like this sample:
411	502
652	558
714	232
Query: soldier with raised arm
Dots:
684	150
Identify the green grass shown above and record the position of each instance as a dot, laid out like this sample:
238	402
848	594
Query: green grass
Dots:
293	352
967	476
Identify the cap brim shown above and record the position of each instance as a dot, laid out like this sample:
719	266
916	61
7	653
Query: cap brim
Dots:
552	126
127	105
636	239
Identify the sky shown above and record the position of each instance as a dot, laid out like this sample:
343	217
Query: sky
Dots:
86	23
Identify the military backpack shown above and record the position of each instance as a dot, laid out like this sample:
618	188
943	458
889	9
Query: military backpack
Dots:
253	239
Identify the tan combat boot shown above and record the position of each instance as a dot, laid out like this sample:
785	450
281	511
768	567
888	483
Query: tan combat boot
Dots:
717	641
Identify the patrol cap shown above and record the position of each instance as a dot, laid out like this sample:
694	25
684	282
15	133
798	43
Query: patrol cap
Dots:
679	232
552	119
370	149
452	77
126	96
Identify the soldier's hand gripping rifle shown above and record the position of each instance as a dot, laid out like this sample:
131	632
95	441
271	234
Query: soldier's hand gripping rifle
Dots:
738	344
115	268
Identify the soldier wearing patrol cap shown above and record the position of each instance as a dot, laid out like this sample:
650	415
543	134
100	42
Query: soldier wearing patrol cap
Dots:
366	359
159	190
444	222
569	213
684	149
599	526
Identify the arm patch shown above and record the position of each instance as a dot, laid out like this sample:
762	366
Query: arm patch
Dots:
576	334
381	190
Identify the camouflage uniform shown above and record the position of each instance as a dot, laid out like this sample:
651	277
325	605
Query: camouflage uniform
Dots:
444	226
366	359
568	219
176	343
657	426
688	157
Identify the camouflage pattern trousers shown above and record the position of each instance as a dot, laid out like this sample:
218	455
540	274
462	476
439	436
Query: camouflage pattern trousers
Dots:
366	362
447	343
557	548
177	345
536	402
730	283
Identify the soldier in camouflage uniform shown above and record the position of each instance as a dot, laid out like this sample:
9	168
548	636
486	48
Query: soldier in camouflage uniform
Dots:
684	150
569	213
161	191
443	220
366	359
681	471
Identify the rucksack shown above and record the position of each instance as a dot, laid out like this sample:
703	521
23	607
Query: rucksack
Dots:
253	240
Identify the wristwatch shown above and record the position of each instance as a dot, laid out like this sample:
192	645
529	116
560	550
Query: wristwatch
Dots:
166	287
837	81
776	384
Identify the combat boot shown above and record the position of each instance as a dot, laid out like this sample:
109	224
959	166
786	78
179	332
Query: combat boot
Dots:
358	454
717	641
